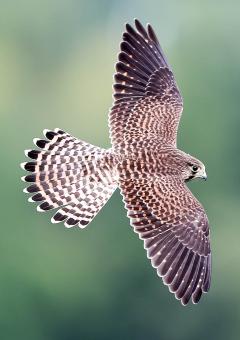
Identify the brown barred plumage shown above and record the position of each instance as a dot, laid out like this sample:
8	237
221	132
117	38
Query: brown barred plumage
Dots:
78	178
71	174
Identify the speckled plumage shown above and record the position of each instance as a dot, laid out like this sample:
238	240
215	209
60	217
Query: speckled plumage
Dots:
144	162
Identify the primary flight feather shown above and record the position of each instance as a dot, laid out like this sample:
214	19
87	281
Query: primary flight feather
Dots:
78	178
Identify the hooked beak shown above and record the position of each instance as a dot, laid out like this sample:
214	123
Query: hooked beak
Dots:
203	175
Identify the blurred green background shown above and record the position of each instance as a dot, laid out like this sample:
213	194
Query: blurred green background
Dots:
56	64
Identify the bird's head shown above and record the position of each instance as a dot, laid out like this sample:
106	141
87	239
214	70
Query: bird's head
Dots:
193	168
180	163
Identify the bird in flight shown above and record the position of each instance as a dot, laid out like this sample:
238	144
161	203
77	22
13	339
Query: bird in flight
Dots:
78	178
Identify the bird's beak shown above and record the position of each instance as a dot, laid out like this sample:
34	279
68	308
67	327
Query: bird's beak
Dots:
203	175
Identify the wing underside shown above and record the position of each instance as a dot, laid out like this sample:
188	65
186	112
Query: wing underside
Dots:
147	103
176	237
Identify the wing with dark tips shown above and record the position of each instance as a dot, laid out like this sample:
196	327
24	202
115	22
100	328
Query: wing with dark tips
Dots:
147	103
175	231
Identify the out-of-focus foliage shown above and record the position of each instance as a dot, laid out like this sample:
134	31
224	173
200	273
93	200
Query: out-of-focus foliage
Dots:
56	66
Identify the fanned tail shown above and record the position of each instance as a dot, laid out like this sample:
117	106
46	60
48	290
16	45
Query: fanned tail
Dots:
69	173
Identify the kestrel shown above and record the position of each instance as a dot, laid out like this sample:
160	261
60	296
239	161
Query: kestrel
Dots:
144	162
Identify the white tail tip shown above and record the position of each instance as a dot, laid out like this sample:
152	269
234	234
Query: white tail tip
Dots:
45	131
39	209
82	226
57	130
35	140
68	226
54	221
22	165
26	152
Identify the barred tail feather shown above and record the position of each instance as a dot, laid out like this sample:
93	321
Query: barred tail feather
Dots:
69	174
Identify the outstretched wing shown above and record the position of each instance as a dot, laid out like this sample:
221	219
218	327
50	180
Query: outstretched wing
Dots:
147	103
175	231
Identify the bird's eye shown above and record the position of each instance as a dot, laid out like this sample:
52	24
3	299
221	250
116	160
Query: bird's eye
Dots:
194	168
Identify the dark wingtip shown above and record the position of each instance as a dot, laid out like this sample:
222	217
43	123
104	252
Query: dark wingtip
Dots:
138	24
197	296
130	29
183	302
128	26
152	34
140	28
